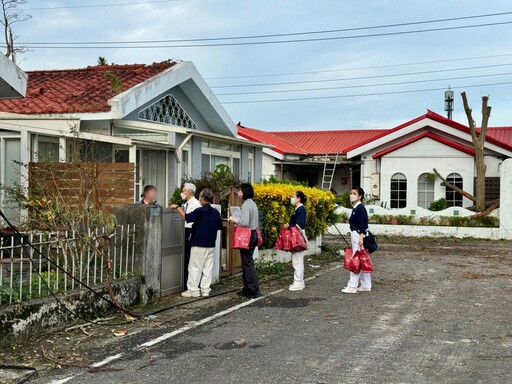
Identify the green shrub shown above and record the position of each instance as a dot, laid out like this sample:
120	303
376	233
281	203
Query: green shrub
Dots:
268	267
438	205
442	221
273	201
176	197
274	180
343	200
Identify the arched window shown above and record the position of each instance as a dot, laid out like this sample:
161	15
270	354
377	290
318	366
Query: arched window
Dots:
453	198
425	190
398	191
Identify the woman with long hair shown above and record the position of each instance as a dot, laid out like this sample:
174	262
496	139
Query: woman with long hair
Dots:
249	218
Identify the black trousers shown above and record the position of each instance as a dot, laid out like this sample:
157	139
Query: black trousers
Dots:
188	245
251	283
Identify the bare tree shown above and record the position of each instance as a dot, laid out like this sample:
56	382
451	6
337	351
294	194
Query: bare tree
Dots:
11	14
478	138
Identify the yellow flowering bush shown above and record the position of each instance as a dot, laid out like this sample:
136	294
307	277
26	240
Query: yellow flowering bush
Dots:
273	201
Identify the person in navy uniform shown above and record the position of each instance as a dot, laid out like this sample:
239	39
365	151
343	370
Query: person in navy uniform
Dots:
207	222
298	218
358	226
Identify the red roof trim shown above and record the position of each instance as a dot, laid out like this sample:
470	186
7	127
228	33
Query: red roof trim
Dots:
431	135
278	144
248	137
436	117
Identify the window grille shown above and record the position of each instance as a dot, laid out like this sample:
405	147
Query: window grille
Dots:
167	110
398	191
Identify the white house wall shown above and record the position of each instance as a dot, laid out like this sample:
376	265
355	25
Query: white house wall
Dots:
268	167
421	157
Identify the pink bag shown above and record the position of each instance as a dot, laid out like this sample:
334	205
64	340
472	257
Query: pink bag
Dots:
366	262
283	242
299	243
354	264
348	256
260	237
241	237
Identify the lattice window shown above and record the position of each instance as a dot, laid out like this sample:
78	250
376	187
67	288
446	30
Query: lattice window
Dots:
167	110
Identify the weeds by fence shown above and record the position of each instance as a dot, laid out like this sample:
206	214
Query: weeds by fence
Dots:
89	257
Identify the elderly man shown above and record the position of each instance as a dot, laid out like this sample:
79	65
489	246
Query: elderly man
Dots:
188	193
207	222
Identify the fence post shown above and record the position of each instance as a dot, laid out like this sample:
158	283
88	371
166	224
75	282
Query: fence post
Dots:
148	244
506	199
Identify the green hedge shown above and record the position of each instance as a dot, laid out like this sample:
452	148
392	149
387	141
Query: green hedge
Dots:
273	201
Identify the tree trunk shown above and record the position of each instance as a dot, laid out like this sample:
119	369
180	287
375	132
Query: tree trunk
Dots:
478	139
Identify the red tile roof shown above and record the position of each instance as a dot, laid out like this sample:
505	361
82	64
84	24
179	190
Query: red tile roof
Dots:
500	134
279	145
331	142
342	141
79	90
309	142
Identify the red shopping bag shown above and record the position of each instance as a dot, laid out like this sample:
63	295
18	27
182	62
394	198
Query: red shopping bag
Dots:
260	237
354	265
241	237
366	262
348	256
299	242
283	242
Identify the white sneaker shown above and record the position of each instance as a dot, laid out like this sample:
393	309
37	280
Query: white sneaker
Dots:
205	294
349	290
296	287
364	289
190	293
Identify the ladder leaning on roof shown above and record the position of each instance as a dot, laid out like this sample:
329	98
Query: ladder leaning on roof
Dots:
329	170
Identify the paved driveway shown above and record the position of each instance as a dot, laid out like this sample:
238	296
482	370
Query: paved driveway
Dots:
439	313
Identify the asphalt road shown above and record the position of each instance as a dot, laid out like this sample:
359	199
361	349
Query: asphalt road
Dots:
437	314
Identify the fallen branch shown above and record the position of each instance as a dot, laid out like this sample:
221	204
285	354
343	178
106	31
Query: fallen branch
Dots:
494	206
93	322
79	365
446	184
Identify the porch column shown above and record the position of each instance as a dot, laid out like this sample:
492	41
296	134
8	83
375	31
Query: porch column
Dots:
506	199
244	158
258	164
196	158
25	154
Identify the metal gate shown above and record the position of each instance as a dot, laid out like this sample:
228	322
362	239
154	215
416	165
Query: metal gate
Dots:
173	236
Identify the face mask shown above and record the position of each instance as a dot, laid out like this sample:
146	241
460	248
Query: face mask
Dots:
354	198
183	197
293	200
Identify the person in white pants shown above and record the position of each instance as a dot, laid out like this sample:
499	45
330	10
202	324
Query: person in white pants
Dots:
358	226
298	219
207	222
200	270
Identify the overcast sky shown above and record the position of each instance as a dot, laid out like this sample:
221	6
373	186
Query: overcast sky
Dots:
342	59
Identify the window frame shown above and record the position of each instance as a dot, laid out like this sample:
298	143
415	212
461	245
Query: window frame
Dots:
454	198
427	194
401	200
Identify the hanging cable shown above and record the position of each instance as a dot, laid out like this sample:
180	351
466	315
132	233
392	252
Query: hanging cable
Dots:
23	240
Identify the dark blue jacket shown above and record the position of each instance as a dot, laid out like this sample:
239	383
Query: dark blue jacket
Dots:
207	222
298	217
359	219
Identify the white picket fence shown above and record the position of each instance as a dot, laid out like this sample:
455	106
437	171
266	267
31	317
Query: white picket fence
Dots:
27	271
